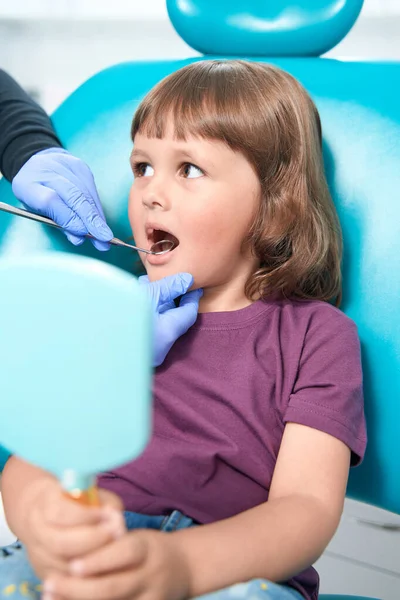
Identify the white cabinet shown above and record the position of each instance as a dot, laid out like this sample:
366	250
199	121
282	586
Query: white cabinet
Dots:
6	537
340	576
364	556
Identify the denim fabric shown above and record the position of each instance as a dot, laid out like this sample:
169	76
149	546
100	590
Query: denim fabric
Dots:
176	520
257	589
19	582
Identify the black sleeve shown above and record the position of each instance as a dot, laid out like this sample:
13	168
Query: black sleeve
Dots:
24	127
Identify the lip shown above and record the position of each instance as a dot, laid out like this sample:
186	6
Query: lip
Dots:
149	227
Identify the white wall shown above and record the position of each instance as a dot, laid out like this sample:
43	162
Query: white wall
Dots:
52	46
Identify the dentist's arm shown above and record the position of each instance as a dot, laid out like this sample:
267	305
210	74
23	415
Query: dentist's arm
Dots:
44	176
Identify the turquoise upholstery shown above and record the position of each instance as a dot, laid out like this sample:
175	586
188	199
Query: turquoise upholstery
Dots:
263	27
360	111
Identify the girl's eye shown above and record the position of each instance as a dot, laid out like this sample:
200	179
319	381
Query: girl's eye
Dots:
191	171
142	170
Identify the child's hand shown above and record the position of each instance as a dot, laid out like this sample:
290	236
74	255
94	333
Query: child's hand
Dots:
142	564
58	529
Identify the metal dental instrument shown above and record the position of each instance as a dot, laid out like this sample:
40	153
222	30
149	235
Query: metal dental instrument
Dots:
26	214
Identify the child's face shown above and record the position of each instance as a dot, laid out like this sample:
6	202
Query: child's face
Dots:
204	194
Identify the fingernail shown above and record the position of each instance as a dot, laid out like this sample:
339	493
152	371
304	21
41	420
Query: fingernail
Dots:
77	567
48	587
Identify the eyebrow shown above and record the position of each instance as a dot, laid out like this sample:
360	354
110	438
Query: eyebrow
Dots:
185	154
138	152
202	160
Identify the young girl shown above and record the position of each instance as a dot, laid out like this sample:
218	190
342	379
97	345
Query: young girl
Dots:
258	409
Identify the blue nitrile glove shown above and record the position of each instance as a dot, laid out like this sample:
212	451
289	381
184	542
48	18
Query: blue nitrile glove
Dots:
170	321
60	186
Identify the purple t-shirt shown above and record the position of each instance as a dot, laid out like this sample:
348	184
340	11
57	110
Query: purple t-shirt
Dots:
221	401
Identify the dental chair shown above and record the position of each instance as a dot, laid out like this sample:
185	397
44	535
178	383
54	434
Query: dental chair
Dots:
360	111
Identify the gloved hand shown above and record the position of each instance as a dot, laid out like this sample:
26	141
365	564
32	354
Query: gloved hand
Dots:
60	186
170	321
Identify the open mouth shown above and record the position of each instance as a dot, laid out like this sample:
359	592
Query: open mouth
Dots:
156	237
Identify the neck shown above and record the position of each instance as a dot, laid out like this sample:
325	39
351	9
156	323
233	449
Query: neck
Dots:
229	295
223	298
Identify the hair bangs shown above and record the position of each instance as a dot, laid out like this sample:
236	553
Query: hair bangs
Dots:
195	102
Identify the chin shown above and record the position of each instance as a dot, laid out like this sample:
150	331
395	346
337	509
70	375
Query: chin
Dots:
157	273
161	271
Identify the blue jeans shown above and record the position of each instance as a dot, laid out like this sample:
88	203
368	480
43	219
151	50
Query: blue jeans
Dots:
19	582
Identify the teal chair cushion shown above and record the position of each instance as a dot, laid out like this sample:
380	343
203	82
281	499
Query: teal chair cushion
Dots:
280	28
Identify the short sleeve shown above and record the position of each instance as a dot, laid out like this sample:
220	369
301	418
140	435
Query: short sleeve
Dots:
328	391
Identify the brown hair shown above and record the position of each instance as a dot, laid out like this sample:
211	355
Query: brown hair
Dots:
266	114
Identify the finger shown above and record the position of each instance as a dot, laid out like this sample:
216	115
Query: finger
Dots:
153	289
46	201
43	562
79	173
92	191
62	511
125	584
110	501
83	207
127	552
191	298
143	279
82	210
82	179
101	246
173	286
165	290
78	241
74	239
74	542
163	308
185	315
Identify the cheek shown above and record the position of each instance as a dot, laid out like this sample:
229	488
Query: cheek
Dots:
131	206
226	217
134	214
204	229
219	231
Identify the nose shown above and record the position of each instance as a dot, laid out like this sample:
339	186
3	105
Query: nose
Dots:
154	197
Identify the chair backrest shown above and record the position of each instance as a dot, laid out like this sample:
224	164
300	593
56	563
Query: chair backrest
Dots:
360	112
